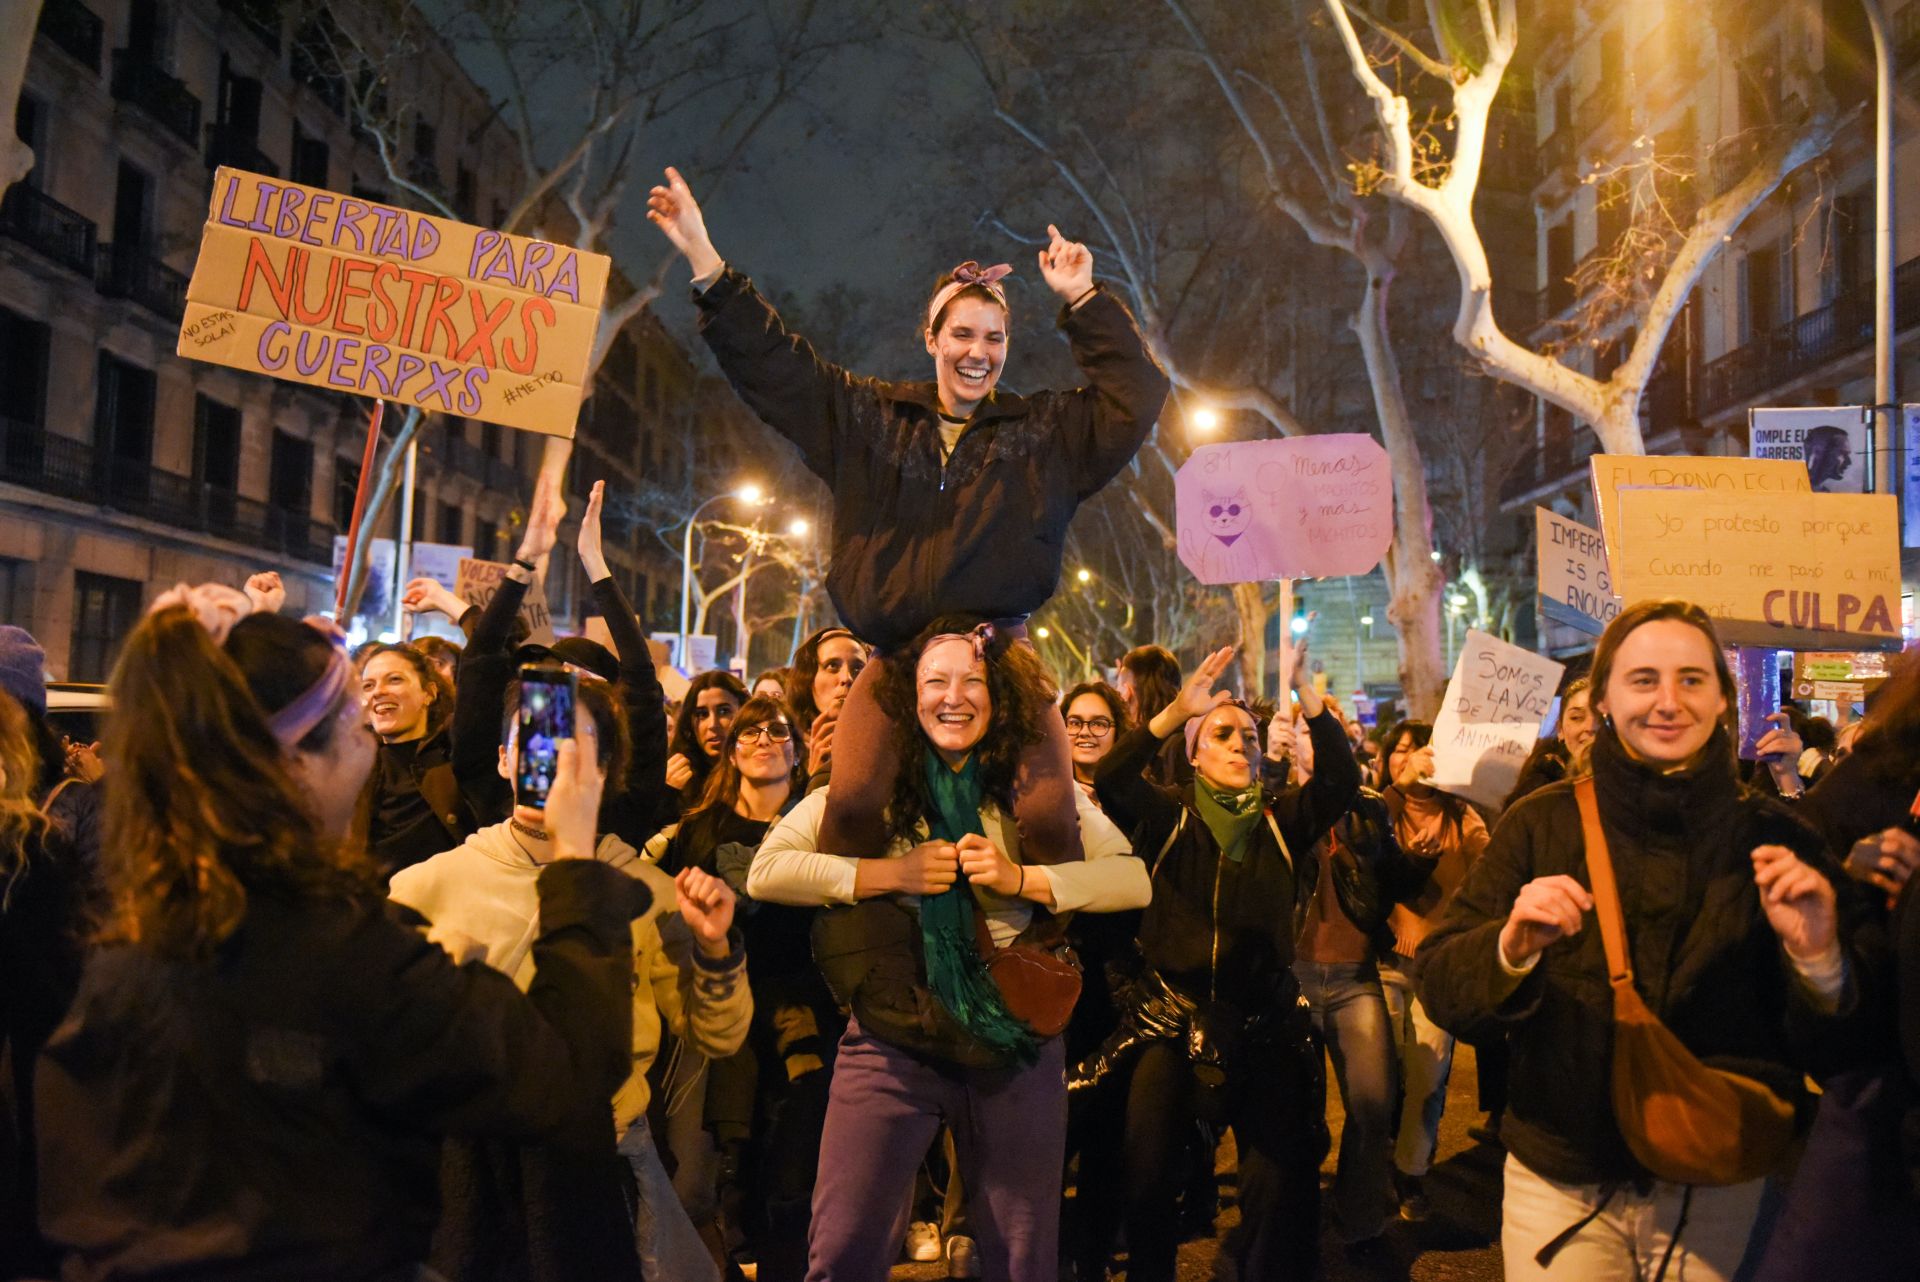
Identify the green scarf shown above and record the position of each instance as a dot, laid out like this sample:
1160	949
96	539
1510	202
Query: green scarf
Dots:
955	972
1230	816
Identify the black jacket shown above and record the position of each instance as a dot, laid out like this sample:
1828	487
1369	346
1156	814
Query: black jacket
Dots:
277	1113
1705	959
1246	914
1371	873
914	538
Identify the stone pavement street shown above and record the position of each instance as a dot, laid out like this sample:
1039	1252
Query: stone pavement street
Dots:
1458	1243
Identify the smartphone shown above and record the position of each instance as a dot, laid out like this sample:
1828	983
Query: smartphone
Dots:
547	694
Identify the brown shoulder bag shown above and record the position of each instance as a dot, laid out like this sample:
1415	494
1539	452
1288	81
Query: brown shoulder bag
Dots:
1683	1121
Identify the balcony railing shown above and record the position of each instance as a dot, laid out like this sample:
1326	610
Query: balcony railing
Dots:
1804	344
32	456
74	28
48	227
228	146
128	271
261	17
143	85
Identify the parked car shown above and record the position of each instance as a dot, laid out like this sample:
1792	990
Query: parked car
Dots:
77	709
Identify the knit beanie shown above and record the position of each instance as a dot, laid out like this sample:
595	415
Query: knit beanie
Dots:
23	668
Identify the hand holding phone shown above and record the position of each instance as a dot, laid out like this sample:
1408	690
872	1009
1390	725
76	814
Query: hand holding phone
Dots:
546	720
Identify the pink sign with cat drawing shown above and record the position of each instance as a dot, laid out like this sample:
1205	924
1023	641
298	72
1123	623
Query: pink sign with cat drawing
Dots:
1302	507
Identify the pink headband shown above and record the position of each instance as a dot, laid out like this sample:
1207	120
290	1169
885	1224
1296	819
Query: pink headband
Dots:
1193	726
966	276
980	638
292	723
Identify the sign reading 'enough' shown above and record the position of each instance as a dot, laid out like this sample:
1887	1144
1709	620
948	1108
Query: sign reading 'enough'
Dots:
349	294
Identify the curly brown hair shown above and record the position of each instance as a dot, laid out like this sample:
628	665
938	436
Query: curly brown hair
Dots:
439	691
202	811
723	782
1022	691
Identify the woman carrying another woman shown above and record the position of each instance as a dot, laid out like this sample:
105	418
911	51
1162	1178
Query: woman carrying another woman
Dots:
964	711
949	495
251	998
1212	1027
1733	940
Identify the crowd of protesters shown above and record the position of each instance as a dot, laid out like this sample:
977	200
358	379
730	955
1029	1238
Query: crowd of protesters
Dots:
901	952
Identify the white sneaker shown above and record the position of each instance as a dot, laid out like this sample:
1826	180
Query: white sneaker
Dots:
923	1241
961	1260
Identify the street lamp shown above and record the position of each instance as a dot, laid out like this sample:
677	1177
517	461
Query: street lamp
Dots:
1085	576
1204	419
1042	633
748	493
798	527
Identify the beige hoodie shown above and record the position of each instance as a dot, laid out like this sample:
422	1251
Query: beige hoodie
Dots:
482	895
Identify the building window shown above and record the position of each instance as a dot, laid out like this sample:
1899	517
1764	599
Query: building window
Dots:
30	123
486	538
16	592
290	480
346	484
132	207
104	611
453	521
216	444
24	345
465	200
310	158
123	413
490	439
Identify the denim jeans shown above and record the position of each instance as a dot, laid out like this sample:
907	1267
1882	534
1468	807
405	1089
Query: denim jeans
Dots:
1425	1052
670	1249
1350	1012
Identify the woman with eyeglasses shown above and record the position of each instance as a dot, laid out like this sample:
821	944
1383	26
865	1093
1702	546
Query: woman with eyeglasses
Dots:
1096	716
737	1179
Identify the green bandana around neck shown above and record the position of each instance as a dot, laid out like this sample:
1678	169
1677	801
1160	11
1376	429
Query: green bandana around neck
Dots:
1229	816
955	973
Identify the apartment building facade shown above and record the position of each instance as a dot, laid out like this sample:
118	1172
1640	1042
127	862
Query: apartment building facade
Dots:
124	468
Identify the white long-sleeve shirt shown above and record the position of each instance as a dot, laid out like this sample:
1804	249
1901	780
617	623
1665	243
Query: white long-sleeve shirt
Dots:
790	867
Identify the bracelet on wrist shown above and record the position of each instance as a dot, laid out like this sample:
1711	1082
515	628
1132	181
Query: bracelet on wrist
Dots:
1022	887
1091	290
524	564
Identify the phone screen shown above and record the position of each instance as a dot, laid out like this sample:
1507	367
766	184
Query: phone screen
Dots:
546	719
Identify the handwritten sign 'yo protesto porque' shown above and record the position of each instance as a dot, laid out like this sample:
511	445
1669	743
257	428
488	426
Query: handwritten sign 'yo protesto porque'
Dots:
1813	571
1491	719
352	295
1303	507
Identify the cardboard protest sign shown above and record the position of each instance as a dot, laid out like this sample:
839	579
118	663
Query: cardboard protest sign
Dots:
1838	676
1830	440
1785	570
1910	430
479	580
1491	718
352	295
1303	507
1755	478
1575	587
438	561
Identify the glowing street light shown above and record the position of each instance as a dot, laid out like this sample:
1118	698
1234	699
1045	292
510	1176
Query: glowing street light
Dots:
1366	620
1042	633
750	493
798	527
1085	575
1204	419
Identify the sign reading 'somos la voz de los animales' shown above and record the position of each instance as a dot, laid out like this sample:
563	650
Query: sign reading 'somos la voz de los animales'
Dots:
356	296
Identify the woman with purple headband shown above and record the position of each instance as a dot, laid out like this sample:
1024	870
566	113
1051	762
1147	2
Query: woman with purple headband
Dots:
949	496
261	1063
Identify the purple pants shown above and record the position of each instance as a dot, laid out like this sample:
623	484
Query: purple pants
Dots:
1010	1130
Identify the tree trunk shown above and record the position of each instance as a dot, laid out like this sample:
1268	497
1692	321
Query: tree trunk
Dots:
16	42
1413	579
386	476
1250	602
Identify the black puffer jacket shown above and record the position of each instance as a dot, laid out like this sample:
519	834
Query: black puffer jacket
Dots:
1705	959
1371	873
913	538
1220	931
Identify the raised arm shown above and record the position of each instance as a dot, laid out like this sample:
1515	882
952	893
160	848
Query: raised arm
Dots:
777	373
645	804
1107	420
